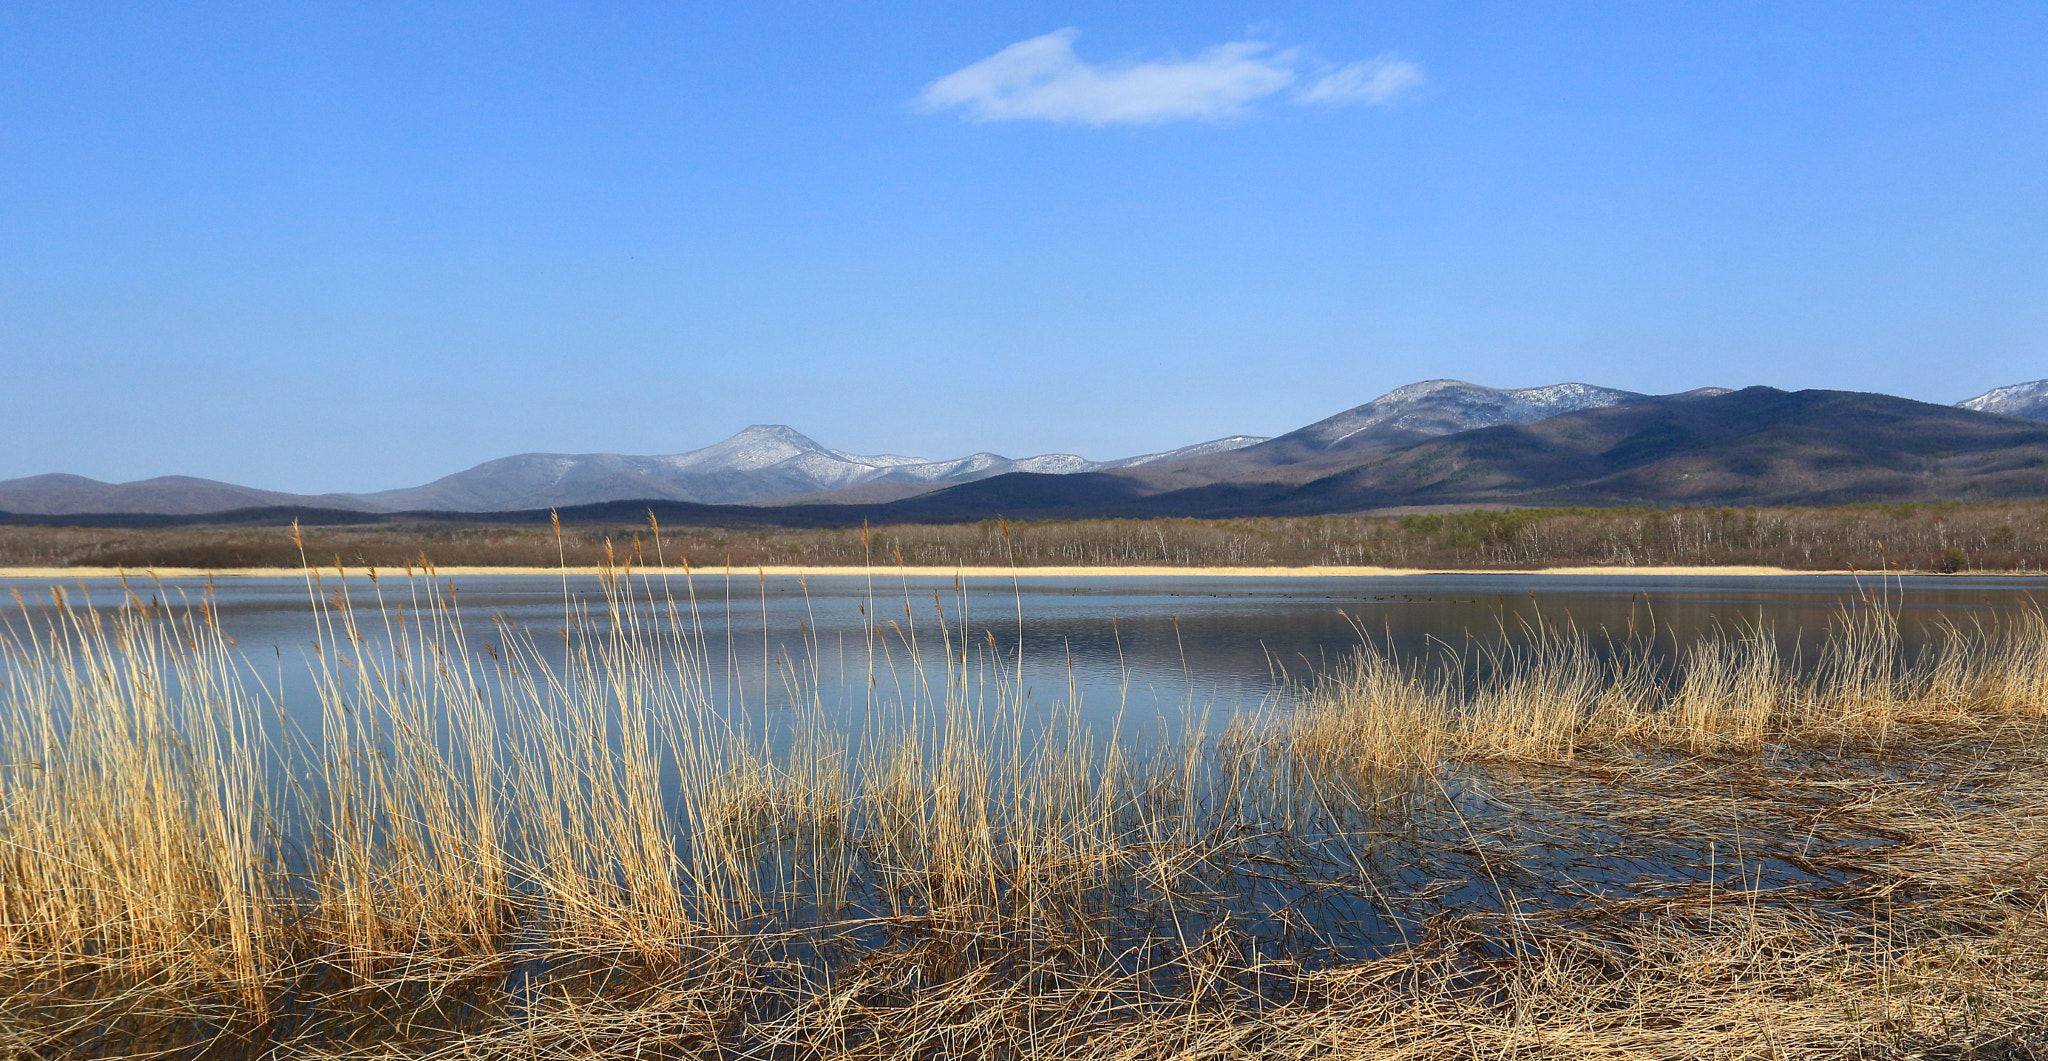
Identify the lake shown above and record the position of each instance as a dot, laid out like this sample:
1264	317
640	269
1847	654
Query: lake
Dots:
1309	855
1142	649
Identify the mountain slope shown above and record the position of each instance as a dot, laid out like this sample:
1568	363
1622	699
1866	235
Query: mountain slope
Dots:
1398	418
1446	406
59	494
900	483
2027	400
1565	444
1755	446
763	464
761	461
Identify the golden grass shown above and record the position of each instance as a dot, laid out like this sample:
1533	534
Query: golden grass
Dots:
563	844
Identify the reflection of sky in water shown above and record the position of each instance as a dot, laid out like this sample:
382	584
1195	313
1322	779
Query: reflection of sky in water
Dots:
1148	650
1145	647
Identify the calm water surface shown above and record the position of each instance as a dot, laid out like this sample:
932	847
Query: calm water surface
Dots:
1146	652
1139	648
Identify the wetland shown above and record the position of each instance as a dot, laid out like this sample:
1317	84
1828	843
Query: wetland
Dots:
655	815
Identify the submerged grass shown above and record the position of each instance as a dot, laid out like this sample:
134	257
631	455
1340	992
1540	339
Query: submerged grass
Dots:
565	844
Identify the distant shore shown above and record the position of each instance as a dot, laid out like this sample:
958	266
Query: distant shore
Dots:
942	572
1974	539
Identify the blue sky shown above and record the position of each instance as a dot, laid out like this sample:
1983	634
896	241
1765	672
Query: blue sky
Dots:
359	246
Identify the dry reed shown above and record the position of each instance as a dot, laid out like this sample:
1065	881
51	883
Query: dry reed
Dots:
565	844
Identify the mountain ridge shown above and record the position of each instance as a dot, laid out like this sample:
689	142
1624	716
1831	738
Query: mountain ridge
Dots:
1758	446
2026	400
776	466
1401	417
763	463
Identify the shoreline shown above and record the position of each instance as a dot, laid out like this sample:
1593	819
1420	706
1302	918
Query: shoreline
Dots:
829	571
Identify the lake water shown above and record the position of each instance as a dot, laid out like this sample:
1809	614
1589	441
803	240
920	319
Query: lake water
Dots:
1144	649
1148	653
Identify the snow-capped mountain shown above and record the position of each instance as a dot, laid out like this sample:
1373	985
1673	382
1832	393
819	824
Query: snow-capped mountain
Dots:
761	463
987	465
1199	449
2028	400
1447	406
1401	417
765	463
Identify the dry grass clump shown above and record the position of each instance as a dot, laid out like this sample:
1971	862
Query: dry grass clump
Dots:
1545	691
565	845
135	805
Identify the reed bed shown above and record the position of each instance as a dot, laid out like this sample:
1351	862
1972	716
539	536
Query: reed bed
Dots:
1945	538
565	843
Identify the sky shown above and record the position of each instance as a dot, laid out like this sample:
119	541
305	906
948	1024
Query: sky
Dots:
358	246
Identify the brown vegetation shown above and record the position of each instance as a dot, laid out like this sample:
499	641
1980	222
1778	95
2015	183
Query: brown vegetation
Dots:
488	853
1939	538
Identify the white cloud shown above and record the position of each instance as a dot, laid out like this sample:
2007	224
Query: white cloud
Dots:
1043	79
1374	82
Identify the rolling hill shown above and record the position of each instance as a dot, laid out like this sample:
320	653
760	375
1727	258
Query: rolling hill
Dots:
59	494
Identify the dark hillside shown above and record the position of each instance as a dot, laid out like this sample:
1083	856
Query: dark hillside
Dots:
1757	446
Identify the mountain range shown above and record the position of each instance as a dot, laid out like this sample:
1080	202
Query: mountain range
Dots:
1439	442
764	463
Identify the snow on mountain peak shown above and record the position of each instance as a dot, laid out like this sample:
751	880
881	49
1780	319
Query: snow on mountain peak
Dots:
2029	400
1446	406
760	463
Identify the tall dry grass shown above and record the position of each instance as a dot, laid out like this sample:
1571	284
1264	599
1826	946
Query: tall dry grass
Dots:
1544	690
565	842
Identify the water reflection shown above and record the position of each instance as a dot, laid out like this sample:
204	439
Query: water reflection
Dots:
1145	650
1294	849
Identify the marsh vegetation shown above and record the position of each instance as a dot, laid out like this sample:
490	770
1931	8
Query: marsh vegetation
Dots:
1952	538
1550	843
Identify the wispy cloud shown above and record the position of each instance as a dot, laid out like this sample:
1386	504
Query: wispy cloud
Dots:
1043	79
1375	82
